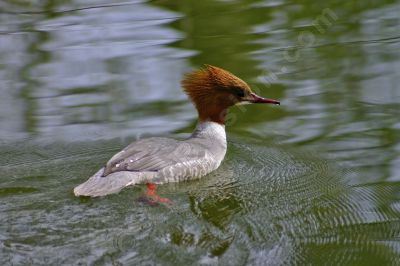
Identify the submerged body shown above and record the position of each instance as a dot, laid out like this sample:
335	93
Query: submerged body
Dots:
162	160
159	161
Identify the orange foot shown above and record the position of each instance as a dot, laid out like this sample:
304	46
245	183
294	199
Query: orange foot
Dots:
151	198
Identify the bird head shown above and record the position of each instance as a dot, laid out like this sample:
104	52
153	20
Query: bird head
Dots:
213	90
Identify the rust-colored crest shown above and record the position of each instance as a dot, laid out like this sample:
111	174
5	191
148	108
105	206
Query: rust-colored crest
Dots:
213	90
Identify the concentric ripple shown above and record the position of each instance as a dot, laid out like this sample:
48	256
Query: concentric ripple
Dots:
281	204
267	204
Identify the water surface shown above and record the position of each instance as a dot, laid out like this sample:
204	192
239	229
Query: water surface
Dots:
313	181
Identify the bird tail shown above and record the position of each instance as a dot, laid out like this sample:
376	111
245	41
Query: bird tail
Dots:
98	185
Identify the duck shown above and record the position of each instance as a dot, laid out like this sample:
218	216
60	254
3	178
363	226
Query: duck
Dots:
159	160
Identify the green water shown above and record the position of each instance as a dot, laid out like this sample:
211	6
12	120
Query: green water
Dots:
315	181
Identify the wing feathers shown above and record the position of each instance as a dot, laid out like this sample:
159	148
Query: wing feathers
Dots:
151	154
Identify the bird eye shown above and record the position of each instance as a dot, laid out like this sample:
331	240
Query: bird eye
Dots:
239	92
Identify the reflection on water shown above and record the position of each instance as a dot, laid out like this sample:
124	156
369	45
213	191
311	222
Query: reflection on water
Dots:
289	207
79	77
73	91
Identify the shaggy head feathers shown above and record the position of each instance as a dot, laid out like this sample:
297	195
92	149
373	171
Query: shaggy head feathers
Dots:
213	90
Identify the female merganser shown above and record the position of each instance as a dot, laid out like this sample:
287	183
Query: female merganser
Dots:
161	160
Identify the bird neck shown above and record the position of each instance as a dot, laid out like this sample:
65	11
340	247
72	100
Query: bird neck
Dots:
212	109
210	130
216	115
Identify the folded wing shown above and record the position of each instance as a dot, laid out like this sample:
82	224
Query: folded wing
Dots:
152	154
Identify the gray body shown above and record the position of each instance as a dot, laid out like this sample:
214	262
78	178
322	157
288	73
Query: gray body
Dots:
160	160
